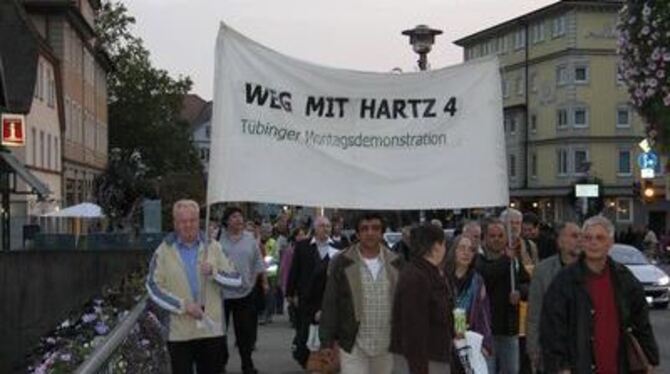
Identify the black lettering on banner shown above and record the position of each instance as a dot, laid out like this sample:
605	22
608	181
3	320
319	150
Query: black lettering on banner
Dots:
399	109
428	111
383	109
368	108
314	105
415	110
257	94
451	106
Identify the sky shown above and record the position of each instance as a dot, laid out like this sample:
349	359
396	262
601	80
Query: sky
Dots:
349	34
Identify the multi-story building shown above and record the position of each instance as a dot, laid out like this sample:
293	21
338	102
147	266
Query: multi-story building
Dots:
68	28
197	113
33	85
566	112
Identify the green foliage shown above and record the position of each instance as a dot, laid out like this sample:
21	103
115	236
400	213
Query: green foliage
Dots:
144	106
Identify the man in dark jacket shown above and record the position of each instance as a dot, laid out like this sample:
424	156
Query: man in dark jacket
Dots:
590	307
358	301
307	282
507	283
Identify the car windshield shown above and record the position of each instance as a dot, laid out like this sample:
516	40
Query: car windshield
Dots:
628	256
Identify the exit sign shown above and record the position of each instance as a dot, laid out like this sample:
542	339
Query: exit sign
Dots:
13	130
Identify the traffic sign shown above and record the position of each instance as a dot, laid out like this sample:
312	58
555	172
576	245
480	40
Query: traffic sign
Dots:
648	160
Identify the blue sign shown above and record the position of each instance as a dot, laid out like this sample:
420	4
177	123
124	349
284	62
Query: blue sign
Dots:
648	160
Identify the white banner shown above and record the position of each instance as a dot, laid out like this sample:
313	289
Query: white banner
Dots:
291	132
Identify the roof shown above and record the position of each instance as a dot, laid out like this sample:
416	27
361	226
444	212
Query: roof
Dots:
19	51
192	106
551	8
205	115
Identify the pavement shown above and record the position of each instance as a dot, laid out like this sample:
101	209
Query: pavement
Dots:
273	350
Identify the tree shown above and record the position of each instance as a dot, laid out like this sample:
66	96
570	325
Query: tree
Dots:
644	45
144	106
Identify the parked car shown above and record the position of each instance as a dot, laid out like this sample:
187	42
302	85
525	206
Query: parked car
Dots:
392	237
655	281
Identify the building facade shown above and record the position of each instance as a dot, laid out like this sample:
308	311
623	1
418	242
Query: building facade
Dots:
567	115
68	28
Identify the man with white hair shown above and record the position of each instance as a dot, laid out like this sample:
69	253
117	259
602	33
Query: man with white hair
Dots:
185	278
307	282
593	310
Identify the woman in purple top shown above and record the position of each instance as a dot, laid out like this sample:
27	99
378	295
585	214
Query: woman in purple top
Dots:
469	290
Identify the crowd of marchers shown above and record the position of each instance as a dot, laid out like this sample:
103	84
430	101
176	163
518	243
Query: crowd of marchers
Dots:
498	297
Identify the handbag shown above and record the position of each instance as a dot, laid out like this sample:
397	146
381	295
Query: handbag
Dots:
324	362
638	363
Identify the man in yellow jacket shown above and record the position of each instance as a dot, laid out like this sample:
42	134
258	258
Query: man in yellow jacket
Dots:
186	277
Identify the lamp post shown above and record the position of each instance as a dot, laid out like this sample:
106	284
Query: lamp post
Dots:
422	39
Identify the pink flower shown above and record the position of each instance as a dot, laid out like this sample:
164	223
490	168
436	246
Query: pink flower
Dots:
666	100
660	74
639	93
646	11
645	30
656	55
666	57
653	82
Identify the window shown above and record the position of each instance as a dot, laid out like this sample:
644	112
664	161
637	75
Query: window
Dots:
581	74
624	210
520	39
208	131
538	32
512	166
581	159
561	75
56	153
623	117
562	162
533	165
562	118
519	85
558	27
507	123
49	151
533	123
51	89
33	140
485	48
624	168
505	88
502	44
41	149
512	125
580	117
533	82
619	74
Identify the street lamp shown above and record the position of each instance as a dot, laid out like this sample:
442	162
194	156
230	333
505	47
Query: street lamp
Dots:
422	39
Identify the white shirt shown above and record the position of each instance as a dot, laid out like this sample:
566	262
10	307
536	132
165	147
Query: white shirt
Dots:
324	248
374	265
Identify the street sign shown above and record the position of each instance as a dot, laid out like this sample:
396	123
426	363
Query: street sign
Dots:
586	190
647	173
647	160
13	130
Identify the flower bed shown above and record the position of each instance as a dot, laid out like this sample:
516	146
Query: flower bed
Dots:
68	346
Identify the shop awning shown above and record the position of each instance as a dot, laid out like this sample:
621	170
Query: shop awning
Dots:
37	186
